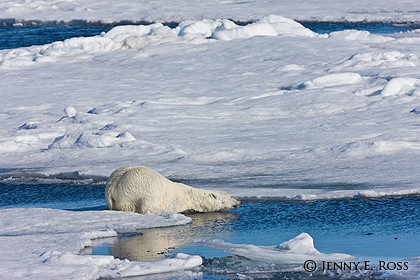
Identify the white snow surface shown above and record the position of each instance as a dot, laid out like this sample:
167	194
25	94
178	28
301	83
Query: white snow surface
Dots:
269	109
179	10
295	251
39	243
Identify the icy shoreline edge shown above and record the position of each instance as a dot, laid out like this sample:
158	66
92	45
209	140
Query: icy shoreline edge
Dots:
280	193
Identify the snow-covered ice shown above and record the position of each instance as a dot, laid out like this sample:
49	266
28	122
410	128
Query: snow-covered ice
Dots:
39	243
269	104
269	109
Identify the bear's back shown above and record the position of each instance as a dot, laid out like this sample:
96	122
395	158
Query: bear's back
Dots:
138	177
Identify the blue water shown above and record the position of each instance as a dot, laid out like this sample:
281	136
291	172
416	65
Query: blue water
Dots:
370	229
24	36
372	27
14	37
65	196
387	227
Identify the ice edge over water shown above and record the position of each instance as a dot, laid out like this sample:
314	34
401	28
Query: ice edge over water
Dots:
282	192
141	36
48	242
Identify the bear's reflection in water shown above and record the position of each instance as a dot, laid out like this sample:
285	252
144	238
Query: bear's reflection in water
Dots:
152	244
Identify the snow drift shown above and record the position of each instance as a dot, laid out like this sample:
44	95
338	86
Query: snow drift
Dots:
136	37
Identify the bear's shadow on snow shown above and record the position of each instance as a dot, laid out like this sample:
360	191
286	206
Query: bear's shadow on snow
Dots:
154	244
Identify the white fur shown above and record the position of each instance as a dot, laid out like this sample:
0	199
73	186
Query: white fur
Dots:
143	190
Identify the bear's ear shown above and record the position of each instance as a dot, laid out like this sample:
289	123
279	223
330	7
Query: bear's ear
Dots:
212	195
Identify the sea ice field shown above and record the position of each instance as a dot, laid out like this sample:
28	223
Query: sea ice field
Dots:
230	95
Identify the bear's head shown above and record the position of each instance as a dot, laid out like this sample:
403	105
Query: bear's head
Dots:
222	200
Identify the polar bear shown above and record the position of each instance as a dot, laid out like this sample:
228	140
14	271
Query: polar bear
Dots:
143	190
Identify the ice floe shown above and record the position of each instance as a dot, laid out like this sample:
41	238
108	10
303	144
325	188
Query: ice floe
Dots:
296	250
46	244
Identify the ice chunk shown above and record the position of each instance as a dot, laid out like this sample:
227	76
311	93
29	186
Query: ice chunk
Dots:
120	33
400	86
379	59
89	45
103	139
70	112
296	250
202	28
333	80
303	244
268	26
360	36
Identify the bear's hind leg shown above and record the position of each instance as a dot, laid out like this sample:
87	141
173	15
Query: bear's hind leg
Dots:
127	207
